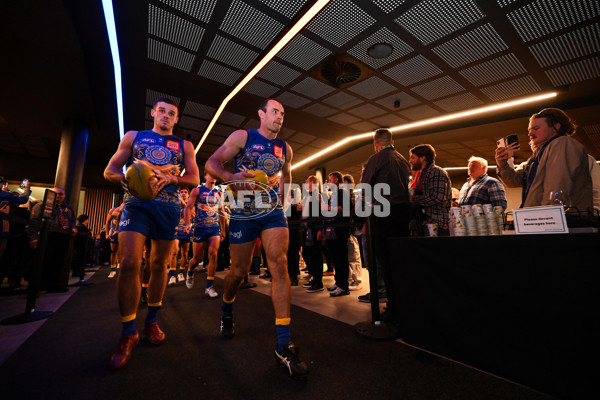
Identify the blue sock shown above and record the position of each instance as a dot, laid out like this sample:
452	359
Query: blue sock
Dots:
190	273
152	315
144	289
283	336
171	273
227	308
209	283
129	328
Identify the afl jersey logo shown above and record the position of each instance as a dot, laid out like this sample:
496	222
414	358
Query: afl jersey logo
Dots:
258	147
172	145
148	140
278	151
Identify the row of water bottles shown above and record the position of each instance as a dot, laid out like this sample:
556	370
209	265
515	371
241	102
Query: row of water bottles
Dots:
476	220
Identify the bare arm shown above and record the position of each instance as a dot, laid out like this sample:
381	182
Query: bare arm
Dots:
232	146
113	172
187	212
286	174
107	223
191	177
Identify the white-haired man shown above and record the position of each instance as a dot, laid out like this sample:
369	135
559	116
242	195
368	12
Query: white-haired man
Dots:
481	188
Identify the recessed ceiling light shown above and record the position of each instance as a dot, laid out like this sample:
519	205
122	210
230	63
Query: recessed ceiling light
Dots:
380	50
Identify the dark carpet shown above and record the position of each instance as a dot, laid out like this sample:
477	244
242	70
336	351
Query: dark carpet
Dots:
67	358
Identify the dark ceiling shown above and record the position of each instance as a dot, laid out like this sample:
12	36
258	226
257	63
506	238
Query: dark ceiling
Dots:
448	55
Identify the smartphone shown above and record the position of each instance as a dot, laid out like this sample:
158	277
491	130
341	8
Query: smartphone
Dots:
24	183
512	138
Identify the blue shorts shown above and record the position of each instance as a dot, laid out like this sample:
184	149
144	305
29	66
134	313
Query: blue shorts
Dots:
246	230
182	237
115	238
155	221
202	233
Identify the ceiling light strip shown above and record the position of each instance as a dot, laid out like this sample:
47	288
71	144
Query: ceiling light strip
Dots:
306	18
109	18
431	121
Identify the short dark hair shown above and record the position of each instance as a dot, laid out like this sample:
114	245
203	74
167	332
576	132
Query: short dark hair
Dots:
557	116
82	218
338	175
165	100
426	150
383	136
349	178
263	105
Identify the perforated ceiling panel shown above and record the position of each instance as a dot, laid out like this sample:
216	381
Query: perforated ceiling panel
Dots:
312	88
437	88
250	25
303	52
169	55
303	138
320	110
289	8
198	110
174	29
400	48
231	119
569	46
231	53
388	120
342	100
388	5
412	71
289	99
367	111
494	70
201	10
364	126
344	119
510	89
459	102
546	16
471	46
504	3
419	112
193	123
431	20
278	73
340	21
576	72
218	73
260	88
152	95
403	99
372	88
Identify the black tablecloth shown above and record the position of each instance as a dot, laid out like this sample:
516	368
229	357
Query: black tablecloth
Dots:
523	307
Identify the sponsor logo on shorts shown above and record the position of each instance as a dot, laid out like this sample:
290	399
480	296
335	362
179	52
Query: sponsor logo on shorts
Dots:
235	235
124	223
172	145
258	147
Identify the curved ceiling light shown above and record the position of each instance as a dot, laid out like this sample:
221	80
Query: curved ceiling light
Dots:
109	18
302	22
432	121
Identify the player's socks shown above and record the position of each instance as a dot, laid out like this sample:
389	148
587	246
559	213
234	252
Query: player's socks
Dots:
128	327
113	267
144	288
209	281
227	306
190	272
282	326
152	315
171	272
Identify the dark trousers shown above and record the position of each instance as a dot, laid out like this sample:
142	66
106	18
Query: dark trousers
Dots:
338	249
293	254
396	224
314	261
56	262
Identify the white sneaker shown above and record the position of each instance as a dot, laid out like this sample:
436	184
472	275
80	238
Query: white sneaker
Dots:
172	281
211	292
189	282
180	277
199	266
355	286
112	274
332	287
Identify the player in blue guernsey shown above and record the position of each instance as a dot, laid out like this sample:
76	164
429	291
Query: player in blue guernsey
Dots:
156	219
111	229
259	149
205	201
182	240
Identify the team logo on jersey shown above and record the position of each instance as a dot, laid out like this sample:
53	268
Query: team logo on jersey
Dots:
172	145
278	151
148	140
258	147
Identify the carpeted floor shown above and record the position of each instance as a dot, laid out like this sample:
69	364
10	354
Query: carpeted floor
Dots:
67	357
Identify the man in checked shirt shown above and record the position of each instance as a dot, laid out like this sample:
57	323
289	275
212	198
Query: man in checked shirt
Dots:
481	188
431	190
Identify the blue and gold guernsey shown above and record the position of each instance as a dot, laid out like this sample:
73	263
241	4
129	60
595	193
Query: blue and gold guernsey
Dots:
207	208
163	153
267	155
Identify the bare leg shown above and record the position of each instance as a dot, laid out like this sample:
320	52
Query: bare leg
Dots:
128	282
275	242
159	257
241	258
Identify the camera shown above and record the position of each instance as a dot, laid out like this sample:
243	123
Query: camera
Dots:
24	183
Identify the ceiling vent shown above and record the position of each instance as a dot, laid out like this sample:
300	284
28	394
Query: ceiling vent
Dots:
341	71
